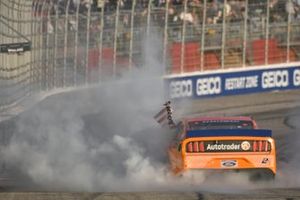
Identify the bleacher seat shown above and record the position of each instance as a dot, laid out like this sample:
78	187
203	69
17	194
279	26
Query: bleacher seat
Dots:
292	56
233	59
211	61
107	60
275	53
192	58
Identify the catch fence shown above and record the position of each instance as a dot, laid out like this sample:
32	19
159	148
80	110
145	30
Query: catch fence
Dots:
49	44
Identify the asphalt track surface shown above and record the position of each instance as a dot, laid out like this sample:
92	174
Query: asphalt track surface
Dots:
278	111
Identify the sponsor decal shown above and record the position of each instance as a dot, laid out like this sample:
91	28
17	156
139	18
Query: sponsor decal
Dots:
15	47
180	89
296	77
208	86
242	82
229	163
275	79
246	145
223	147
227	146
265	161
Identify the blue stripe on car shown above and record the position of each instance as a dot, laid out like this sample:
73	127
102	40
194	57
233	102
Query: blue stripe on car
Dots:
229	132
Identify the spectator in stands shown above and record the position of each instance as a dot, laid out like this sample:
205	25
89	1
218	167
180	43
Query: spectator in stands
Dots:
273	3
174	22
141	4
50	28
275	11
100	4
187	16
297	8
176	2
125	4
84	6
172	15
228	10
197	11
236	10
290	8
160	3
213	13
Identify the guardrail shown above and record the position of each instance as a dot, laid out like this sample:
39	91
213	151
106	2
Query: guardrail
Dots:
56	44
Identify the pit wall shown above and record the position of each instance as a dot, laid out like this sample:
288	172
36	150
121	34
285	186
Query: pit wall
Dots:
234	82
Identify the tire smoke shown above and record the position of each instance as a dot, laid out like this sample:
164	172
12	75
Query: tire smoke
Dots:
287	152
104	138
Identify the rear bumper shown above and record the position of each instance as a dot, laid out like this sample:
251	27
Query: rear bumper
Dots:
229	162
252	175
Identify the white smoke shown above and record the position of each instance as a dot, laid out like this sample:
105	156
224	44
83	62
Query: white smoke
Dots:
102	138
287	152
105	138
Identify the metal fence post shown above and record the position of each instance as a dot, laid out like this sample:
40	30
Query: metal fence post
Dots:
223	34
17	27
76	46
14	7
245	33
288	37
31	53
19	16
87	44
166	34
10	15
1	42
66	42
55	47
116	39
131	34
47	78
267	34
203	35
41	47
1	60
182	57
34	44
101	43
148	17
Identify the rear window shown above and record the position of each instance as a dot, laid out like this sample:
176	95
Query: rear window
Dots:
220	124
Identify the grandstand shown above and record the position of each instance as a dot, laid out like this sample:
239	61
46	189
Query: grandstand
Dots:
47	44
196	35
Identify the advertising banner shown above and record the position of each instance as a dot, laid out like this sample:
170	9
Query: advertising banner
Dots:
233	83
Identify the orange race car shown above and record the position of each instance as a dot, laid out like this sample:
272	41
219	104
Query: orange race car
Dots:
223	143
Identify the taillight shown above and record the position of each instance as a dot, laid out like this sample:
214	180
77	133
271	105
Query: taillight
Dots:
267	146
190	147
194	147
254	146
261	146
202	146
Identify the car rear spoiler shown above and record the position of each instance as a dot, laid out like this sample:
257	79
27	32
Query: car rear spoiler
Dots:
229	132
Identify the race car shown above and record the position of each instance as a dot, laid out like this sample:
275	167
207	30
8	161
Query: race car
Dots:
223	143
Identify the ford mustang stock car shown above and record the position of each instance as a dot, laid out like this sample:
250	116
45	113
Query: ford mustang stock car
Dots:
223	143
